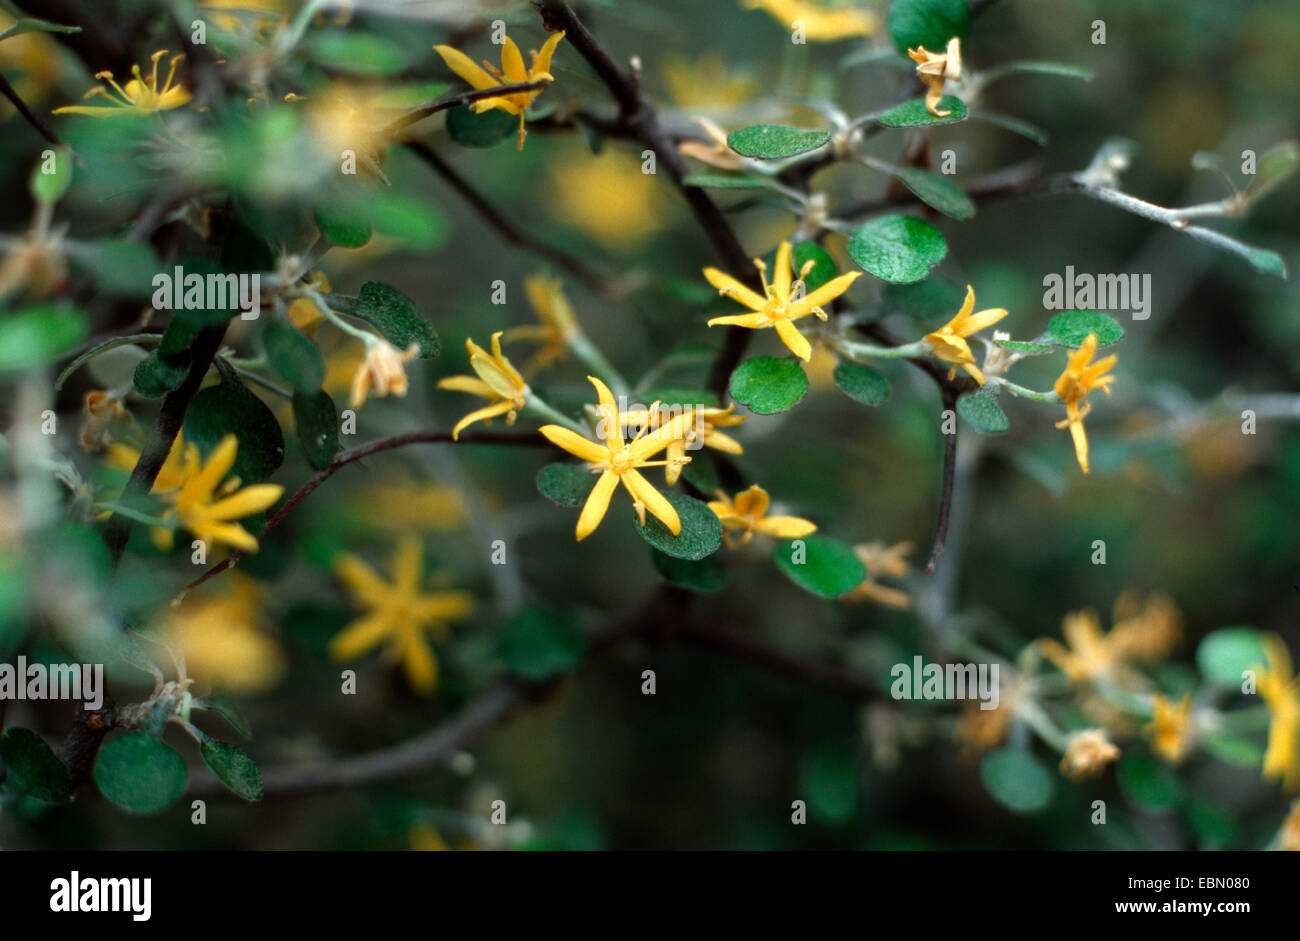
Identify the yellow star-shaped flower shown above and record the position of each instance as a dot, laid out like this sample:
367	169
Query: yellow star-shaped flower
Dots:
949	344
497	379
618	460
1170	728
557	322
206	506
782	303
747	514
399	614
703	428
1080	377
140	95
822	22
1280	690
512	72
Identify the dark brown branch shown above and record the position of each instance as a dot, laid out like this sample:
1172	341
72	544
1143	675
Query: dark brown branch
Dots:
638	115
949	474
84	738
344	458
165	429
442	104
507	229
32	118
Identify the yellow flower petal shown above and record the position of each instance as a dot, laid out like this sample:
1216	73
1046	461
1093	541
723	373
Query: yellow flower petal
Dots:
593	511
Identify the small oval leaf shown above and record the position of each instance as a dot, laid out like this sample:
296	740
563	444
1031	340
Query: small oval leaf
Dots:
900	249
767	385
773	141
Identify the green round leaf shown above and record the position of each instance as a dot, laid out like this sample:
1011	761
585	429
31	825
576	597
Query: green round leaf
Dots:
229	408
293	355
37	335
767	385
1148	783
702	575
1071	327
1223	655
51	179
914	113
861	383
828	775
140	774
33	767
566	484
897	248
821	565
981	409
1017	780
539	643
937	192
929	23
233	768
480	130
701	529
316	421
393	314
772	141
155	376
344	225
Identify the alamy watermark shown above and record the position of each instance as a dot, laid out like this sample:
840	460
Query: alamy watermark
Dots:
83	682
176	290
1070	291
921	680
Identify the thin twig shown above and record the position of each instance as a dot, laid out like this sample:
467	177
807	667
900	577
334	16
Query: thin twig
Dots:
32	118
638	116
442	104
168	425
507	229
344	458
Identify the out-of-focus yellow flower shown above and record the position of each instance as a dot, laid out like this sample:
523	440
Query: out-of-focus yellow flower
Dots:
496	380
979	730
255	17
933	68
618	460
1288	837
1280	690
413	506
608	197
1087	754
224	639
303	312
949	344
557	322
512	72
702	427
705	82
1147	630
781	304
822	22
1080	377
344	116
747	514
207	503
716	153
882	561
398	614
1091	656
31	63
382	371
140	95
1170	729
